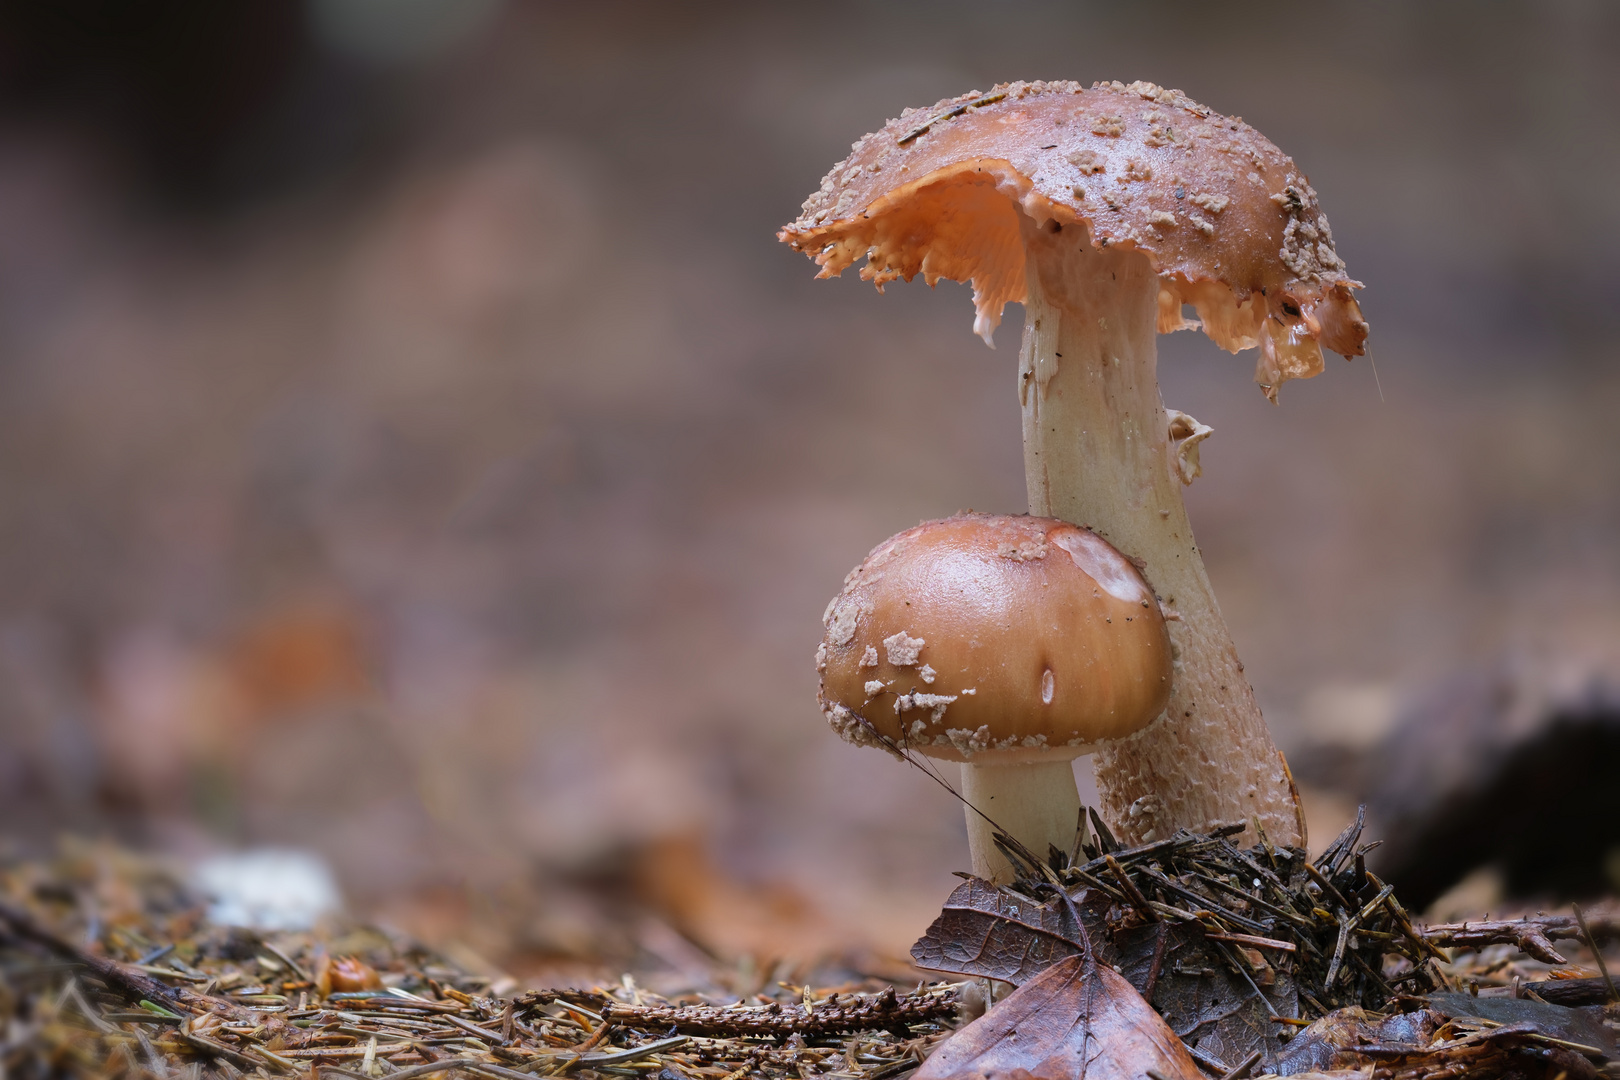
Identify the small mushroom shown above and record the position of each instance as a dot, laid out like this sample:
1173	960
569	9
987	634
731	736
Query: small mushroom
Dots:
1010	644
1104	210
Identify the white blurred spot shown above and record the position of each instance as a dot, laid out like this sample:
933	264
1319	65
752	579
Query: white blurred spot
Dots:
1356	715
398	31
268	889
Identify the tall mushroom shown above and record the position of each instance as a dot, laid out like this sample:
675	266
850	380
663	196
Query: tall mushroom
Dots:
1010	644
1104	210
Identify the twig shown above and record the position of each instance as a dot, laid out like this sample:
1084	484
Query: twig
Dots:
273	1058
292	965
1254	940
1282	913
1204	902
324	1069
489	1036
1241	1069
132	984
885	1011
491	1069
958	110
73	994
1212	1065
1531	935
1570	991
1243	970
1372	905
442	1065
1157	964
636	1053
1106	844
1137	899
1328	860
1405	922
214	1049
1591	942
1338	955
1328	887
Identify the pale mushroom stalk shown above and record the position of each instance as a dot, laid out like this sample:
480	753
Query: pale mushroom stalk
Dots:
1098	450
1036	803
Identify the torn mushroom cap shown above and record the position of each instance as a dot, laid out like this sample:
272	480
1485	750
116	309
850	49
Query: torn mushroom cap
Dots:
1000	639
1228	222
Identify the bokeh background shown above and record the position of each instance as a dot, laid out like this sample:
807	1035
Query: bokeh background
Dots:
415	447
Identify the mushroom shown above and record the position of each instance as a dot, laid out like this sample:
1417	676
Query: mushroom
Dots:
1010	644
1104	210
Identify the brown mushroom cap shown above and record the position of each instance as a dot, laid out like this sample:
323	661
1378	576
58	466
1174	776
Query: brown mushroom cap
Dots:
995	638
1228	222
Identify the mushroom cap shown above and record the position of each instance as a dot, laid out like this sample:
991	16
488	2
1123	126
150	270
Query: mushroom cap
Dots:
1227	220
996	638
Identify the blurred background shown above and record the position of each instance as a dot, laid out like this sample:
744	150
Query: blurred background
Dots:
416	449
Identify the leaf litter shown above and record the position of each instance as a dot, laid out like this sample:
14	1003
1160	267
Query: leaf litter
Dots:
1167	961
154	990
1238	950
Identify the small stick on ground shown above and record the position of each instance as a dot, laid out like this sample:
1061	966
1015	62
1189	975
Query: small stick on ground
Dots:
1241	1069
1531	935
1137	899
1597	953
132	984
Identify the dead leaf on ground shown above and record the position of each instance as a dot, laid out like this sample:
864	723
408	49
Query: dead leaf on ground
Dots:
1333	1041
1583	1026
1072	1020
995	933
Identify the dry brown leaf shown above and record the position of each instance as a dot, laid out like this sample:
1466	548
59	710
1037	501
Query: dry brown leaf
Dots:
1071	1021
996	933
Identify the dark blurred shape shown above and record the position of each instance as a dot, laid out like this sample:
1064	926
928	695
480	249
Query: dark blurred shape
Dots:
177	84
210	104
1501	766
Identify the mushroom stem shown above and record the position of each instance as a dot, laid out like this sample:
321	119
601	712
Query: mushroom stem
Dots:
1035	803
1097	452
